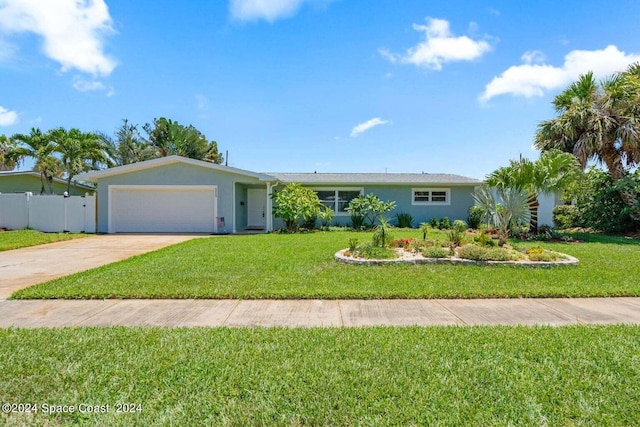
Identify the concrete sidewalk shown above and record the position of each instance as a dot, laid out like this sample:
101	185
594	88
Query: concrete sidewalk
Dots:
323	313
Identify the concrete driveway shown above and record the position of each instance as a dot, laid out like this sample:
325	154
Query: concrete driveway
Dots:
24	267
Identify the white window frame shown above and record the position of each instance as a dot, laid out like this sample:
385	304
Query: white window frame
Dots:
335	201
431	190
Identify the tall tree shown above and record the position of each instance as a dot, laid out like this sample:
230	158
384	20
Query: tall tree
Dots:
552	172
6	146
171	138
79	151
599	122
40	147
128	146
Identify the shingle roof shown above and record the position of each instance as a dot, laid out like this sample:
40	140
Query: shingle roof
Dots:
374	178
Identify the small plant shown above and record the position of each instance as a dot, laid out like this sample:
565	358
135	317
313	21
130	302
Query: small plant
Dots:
479	253
382	235
434	223
402	243
475	216
484	238
405	220
455	236
370	251
353	245
459	225
326	216
566	216
445	224
357	221
370	207
424	227
435	252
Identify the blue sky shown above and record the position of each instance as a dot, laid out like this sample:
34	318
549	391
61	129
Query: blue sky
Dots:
312	85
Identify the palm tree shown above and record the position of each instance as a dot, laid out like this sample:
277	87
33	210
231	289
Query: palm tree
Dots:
39	147
79	151
551	173
172	138
128	146
599	122
7	145
512	210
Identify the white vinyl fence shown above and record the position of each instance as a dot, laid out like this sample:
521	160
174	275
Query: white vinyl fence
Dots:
48	213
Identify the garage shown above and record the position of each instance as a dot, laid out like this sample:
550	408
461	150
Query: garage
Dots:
162	208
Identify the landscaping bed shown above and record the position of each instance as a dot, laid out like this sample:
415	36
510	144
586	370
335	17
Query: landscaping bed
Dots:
404	256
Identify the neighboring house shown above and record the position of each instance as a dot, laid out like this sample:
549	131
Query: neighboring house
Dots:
176	194
29	181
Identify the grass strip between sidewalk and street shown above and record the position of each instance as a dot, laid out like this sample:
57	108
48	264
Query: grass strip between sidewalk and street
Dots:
576	375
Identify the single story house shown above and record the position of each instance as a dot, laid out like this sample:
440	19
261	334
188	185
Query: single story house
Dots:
29	181
177	194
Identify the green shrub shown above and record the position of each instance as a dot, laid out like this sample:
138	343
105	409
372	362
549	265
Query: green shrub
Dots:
326	216
475	215
357	222
455	236
309	223
434	223
370	207
484	238
459	225
480	253
353	244
540	254
295	202
445	224
369	251
405	220
566	216
435	252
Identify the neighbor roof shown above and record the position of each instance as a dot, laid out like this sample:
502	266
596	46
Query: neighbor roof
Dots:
37	175
375	178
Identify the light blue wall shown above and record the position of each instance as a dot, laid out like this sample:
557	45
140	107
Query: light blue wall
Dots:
461	201
176	174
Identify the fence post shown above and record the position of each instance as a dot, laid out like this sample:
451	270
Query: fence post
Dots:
28	194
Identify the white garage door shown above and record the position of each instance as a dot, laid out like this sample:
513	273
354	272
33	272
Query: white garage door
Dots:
162	209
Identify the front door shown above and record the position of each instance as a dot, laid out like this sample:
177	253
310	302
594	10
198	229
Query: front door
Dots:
256	207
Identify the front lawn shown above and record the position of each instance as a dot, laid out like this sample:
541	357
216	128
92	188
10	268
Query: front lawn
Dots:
23	238
303	266
578	375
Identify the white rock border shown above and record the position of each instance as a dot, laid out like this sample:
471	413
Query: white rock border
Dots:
417	258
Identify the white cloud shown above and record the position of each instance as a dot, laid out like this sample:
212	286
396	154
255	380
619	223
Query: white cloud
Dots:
88	86
72	30
8	117
534	77
269	10
440	46
363	127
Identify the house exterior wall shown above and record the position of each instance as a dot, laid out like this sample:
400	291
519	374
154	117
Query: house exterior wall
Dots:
458	208
30	183
177	174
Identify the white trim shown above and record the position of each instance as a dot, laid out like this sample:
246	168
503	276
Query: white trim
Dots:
233	207
112	188
337	189
431	190
94	176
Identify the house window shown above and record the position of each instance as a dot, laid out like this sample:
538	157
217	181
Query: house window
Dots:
338	199
431	196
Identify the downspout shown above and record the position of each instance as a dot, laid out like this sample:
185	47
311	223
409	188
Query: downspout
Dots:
269	213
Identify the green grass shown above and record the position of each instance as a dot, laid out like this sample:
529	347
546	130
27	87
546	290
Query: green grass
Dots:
23	238
569	376
303	266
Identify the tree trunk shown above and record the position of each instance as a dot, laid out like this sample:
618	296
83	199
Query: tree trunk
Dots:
533	209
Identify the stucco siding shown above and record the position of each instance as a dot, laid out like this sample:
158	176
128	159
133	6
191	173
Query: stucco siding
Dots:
175	174
459	203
